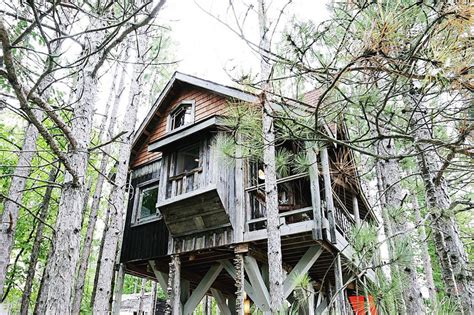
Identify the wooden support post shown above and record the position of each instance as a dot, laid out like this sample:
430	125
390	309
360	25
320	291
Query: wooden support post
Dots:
118	290
340	291
315	190
265	274
173	303
220	299
302	267
251	267
185	290
355	207
239	227
321	304
160	276
328	193
239	283
201	289
310	305
231	270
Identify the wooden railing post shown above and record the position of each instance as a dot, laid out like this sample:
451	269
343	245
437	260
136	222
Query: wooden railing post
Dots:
240	214
355	207
328	193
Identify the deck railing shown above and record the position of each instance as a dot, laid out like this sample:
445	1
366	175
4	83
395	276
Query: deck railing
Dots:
343	218
183	183
294	202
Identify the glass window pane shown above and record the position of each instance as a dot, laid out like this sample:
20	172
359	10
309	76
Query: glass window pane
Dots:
187	160
181	117
149	198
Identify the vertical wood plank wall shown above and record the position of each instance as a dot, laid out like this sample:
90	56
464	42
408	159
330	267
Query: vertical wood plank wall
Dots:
206	104
148	240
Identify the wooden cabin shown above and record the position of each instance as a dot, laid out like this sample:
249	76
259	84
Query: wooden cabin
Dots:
192	216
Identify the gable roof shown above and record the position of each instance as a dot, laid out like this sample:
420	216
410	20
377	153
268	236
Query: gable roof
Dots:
179	77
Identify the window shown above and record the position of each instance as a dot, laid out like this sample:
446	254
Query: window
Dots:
146	200
187	160
181	116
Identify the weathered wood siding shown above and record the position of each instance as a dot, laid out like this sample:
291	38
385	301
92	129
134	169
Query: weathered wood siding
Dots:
147	240
206	104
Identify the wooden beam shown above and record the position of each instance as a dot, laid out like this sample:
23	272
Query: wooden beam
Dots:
328	193
247	286
340	292
302	267
220	299
315	190
160	276
310	303
355	207
185	290
201	289
256	279
239	224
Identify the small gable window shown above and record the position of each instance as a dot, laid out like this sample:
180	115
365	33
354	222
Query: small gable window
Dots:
181	116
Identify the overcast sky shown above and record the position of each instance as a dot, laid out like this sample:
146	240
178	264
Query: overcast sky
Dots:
206	47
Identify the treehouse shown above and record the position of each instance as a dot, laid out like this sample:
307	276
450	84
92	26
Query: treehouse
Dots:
192	215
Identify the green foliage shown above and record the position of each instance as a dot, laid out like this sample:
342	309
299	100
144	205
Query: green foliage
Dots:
283	159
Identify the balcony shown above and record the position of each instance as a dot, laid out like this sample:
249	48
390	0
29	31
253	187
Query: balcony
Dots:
295	209
193	194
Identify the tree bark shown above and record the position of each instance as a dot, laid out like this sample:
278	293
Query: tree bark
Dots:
35	251
118	288
99	257
15	193
173	301
154	292
390	180
271	190
67	242
117	199
89	236
449	248
425	255
142	296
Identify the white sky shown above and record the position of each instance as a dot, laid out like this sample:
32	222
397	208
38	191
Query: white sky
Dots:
206	47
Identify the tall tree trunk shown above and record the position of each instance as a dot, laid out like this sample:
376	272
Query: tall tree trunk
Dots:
390	176
117	197
67	242
154	292
142	296
40	304
99	257
88	238
271	190
35	251
449	248
118	288
15	194
425	255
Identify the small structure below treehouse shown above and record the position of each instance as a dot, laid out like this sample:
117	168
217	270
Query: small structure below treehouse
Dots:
197	224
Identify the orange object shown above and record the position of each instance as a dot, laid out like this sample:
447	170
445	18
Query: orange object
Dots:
358	305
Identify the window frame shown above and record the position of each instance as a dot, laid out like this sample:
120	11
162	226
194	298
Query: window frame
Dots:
137	202
184	103
176	162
